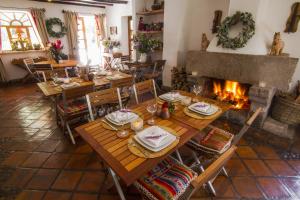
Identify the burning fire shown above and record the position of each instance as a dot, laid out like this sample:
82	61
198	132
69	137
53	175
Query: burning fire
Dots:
232	92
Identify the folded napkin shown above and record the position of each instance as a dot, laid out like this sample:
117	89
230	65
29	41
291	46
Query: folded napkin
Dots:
122	115
201	107
155	138
170	96
70	85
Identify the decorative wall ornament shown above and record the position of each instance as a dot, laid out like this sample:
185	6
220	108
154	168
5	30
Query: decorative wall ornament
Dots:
293	20
55	22
243	37
217	21
277	45
205	42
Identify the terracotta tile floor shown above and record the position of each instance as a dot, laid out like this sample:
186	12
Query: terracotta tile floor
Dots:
38	162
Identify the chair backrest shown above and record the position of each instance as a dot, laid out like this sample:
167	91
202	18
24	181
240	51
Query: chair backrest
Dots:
42	67
213	169
125	58
28	64
159	66
77	92
246	126
103	97
121	83
144	87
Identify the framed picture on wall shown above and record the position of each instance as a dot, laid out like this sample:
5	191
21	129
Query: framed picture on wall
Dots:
113	30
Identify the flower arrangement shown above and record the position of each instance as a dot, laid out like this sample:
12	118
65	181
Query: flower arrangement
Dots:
56	51
144	44
110	44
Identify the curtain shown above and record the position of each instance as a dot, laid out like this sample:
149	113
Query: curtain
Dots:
100	23
72	31
38	16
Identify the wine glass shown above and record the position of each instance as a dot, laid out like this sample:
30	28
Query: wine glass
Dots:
197	89
152	108
54	77
123	116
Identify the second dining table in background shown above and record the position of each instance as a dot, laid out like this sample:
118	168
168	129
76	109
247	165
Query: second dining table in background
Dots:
61	65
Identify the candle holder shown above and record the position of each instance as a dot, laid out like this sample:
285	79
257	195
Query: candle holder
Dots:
137	125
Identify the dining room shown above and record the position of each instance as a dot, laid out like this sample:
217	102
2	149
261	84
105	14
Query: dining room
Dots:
152	99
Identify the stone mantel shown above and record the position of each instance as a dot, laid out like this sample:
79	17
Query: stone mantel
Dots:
275	71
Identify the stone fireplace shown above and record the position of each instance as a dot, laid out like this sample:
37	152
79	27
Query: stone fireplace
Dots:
261	76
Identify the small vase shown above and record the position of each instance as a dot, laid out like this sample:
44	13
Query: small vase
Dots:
143	58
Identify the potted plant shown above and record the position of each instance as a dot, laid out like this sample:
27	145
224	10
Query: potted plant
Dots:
56	51
144	45
109	45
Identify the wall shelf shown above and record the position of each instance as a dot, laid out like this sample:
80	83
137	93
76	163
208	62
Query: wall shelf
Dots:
152	12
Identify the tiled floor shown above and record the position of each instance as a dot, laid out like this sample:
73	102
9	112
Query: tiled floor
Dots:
38	162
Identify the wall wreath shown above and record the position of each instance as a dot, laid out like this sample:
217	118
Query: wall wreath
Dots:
55	21
242	38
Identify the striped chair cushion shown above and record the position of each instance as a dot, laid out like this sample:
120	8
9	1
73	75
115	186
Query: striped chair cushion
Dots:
73	106
168	180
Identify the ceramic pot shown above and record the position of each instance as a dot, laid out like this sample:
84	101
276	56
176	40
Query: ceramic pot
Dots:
143	58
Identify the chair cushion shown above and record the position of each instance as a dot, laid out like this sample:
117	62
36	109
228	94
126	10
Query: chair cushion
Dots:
73	106
168	180
216	141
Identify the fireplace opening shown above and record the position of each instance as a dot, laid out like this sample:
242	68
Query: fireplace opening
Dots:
231	92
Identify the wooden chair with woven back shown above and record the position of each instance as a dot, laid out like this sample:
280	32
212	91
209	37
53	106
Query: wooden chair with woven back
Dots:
156	72
32	73
73	106
46	70
102	100
214	142
125	88
173	180
142	88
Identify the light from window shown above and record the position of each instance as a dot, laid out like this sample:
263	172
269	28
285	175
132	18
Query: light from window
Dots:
17	30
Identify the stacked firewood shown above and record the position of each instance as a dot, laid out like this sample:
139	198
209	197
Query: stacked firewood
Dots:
179	79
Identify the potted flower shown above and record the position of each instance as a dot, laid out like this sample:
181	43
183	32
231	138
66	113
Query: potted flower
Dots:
109	45
56	51
144	45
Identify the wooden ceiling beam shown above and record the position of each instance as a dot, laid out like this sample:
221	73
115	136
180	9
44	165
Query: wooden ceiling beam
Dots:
89	2
109	1
74	3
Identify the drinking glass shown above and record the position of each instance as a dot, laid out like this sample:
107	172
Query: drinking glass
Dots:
123	118
54	77
152	108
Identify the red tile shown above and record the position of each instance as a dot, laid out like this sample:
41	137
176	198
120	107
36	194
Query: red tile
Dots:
67	180
273	188
246	152
246	187
20	178
43	179
30	195
48	146
266	152
78	161
36	160
82	196
295	164
293	184
85	149
15	159
236	168
95	163
280	168
51	195
57	160
224	188
258	168
91	181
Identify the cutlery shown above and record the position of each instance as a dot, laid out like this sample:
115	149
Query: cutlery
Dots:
140	149
111	126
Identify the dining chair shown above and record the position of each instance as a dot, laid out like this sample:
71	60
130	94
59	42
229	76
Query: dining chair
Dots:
173	180
99	99
73	106
125	88
29	62
45	70
200	145
143	88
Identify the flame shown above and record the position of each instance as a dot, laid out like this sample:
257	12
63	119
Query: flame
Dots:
232	92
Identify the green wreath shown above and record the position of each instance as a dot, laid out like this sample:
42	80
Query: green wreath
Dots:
242	38
55	21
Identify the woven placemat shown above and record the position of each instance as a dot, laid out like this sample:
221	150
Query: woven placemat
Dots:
142	152
199	116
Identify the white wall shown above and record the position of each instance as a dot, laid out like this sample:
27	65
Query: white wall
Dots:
185	21
52	10
114	17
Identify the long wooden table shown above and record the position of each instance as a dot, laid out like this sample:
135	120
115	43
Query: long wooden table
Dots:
115	153
49	89
63	64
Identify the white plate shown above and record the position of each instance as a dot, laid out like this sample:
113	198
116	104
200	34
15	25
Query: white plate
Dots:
169	139
212	110
168	97
132	118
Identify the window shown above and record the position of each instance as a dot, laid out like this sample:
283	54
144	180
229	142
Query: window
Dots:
17	30
88	46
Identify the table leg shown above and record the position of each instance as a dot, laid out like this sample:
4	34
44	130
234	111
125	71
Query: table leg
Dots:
117	184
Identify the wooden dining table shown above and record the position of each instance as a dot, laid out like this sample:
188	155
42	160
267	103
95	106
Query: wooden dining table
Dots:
121	161
61	65
50	89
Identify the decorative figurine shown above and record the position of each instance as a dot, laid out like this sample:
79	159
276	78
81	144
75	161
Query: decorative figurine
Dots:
293	20
277	45
205	42
141	26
